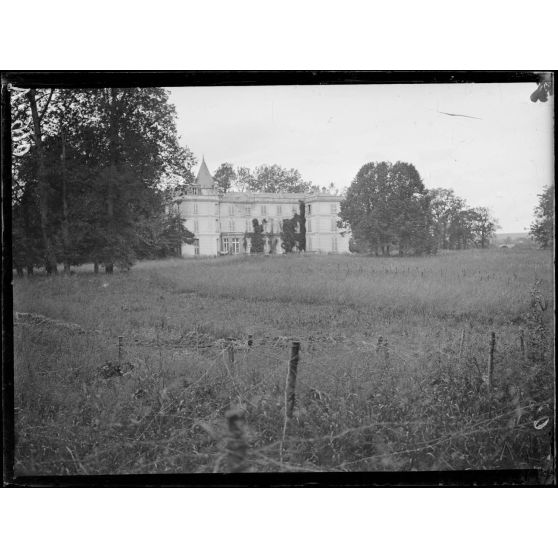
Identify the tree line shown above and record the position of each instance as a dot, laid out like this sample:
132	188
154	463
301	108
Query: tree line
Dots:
271	179
97	178
388	207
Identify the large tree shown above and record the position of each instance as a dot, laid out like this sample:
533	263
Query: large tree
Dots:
542	229
387	204
460	232
225	177
38	152
483	225
102	170
445	207
136	145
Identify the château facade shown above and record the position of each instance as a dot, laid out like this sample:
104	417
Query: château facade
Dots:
220	222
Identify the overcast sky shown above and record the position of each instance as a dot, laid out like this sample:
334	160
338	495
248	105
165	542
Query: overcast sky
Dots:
500	159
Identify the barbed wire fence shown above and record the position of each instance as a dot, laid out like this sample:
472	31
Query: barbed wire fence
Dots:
335	372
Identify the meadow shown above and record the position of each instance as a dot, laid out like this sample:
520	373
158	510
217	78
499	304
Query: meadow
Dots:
392	373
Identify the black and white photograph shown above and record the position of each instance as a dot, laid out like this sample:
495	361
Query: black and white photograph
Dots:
285	274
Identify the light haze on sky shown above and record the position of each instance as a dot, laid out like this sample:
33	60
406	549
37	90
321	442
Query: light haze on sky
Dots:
500	159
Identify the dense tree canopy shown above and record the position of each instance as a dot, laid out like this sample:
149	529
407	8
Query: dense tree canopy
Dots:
272	179
96	183
542	229
225	176
446	208
483	226
457	226
387	204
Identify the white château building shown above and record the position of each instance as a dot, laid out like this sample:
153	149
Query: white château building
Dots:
220	221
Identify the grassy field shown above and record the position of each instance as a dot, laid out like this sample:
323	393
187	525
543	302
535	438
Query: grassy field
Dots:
416	399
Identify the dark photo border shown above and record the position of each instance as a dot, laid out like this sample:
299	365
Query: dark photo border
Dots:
93	79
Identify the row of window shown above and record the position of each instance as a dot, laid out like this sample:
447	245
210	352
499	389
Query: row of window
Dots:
248	224
231	226
232	245
263	209
237	209
332	225
332	208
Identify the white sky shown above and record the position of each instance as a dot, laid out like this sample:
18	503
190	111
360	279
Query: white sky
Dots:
328	132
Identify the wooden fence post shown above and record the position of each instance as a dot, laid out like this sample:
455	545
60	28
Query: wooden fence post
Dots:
491	360
291	380
230	350
237	447
386	350
461	343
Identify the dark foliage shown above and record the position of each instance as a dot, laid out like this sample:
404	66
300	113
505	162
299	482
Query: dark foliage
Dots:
257	245
387	205
293	234
542	229
96	184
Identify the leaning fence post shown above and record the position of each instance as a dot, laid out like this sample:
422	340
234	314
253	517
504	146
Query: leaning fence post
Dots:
290	392
120	338
291	379
491	359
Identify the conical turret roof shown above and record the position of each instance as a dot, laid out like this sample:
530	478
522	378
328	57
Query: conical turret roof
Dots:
204	178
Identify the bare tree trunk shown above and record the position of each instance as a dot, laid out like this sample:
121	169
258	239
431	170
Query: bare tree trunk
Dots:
109	263
50	256
178	231
65	226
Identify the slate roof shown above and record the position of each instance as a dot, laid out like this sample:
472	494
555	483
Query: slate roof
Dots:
204	178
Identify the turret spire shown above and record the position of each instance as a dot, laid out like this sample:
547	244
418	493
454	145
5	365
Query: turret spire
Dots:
204	178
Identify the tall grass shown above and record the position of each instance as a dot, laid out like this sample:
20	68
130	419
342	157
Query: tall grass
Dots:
421	404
